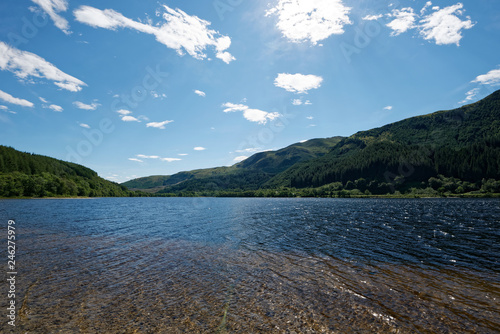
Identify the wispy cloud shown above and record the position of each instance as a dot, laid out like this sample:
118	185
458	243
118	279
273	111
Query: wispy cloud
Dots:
84	106
249	150
52	7
55	107
83	125
298	83
6	109
200	93
490	78
388	108
372	17
130	119
310	20
14	100
181	32
158	125
252	115
470	95
199	148
299	102
136	160
154	157
26	64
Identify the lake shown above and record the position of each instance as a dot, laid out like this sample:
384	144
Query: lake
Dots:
205	265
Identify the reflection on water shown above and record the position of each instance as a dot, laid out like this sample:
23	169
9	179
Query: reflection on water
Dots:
257	266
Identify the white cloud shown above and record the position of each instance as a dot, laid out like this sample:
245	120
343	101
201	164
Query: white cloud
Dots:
252	115
52	7
170	159
310	118
313	20
157	95
43	100
6	109
200	93
388	108
26	64
298	83
240	159
14	100
181	32
231	107
424	9
129	119
55	107
83	125
404	20
81	105
158	125
470	95
199	148
490	78
372	17
249	150
299	102
124	112
142	156
136	160
444	26
182	154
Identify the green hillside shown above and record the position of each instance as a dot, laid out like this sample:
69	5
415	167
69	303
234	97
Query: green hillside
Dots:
249	174
446	152
31	175
463	143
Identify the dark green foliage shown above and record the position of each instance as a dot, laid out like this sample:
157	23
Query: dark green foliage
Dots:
31	175
447	152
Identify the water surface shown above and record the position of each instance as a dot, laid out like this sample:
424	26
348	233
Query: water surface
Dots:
182	265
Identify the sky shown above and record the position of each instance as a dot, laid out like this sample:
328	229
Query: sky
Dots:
139	88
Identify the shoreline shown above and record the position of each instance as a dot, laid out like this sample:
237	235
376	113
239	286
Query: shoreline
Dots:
465	196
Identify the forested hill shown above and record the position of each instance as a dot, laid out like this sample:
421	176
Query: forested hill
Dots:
446	152
31	175
463	143
249	174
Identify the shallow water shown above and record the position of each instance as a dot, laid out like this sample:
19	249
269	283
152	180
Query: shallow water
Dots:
182	265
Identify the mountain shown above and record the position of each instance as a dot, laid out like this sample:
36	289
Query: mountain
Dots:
451	151
463	143
30	175
248	174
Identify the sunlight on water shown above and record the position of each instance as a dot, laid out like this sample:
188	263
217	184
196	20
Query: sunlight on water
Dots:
256	265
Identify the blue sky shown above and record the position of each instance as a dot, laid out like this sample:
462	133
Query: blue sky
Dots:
139	88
